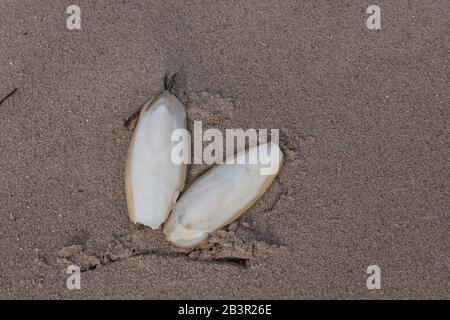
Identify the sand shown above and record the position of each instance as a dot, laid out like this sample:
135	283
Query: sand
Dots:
364	121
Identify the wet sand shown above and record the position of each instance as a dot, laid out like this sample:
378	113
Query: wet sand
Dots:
364	121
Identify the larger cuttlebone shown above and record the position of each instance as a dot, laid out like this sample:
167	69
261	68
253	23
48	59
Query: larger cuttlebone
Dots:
221	196
153	181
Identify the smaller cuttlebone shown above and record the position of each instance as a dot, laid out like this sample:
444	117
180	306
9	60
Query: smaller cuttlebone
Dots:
222	195
153	181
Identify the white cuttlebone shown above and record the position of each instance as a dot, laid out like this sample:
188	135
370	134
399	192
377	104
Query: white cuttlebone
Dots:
153	181
220	196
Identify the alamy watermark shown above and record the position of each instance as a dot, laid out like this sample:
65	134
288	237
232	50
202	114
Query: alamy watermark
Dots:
74	280
374	280
221	150
374	20
74	20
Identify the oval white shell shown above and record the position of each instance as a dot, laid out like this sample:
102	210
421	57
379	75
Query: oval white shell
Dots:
153	181
219	197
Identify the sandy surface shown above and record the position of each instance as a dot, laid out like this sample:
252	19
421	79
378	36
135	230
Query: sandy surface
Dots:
364	119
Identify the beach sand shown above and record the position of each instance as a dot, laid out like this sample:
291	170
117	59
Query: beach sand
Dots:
364	121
